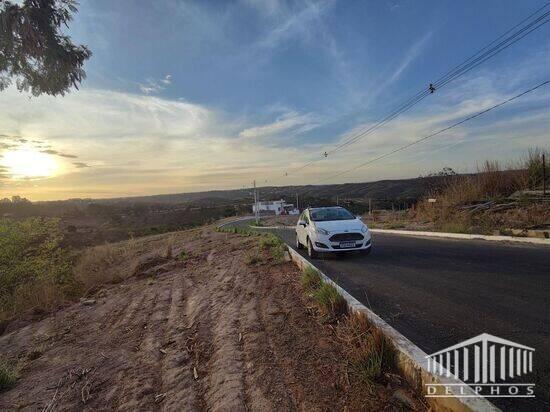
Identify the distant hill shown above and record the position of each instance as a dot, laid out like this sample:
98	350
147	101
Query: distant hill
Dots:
386	190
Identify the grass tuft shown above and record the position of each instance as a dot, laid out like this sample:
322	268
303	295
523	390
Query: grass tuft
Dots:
253	257
270	241
8	376
183	256
310	279
330	301
368	351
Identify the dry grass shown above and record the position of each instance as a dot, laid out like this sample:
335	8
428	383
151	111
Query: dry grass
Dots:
254	257
310	279
368	351
8	376
493	181
112	263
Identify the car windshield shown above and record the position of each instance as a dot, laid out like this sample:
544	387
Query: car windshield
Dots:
330	213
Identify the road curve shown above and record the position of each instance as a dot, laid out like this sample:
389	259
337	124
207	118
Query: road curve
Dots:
438	292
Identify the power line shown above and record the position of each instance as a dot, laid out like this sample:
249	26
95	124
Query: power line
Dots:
422	139
482	55
459	71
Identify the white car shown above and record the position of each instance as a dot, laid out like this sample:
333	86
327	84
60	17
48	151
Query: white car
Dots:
331	229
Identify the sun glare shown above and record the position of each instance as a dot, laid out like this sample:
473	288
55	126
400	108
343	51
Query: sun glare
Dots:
24	164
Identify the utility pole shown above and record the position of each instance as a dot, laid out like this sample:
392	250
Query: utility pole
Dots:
337	204
297	205
370	206
256	211
543	174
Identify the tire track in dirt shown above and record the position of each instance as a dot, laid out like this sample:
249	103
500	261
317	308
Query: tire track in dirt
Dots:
245	329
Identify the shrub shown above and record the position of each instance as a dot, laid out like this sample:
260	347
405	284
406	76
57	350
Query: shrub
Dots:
8	377
310	279
330	301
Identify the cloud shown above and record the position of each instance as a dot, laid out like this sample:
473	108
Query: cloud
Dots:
152	86
55	152
412	53
81	165
291	123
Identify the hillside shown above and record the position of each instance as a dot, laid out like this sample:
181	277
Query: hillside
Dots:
189	321
399	189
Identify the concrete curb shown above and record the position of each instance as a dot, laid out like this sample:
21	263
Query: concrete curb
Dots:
411	360
535	241
462	236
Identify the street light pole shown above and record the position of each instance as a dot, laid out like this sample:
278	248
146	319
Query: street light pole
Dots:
255	202
543	174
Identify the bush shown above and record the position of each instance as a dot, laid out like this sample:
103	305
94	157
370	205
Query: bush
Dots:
330	301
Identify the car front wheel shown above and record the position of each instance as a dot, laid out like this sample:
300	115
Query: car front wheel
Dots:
310	251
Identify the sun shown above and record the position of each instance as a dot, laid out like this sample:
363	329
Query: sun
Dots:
29	164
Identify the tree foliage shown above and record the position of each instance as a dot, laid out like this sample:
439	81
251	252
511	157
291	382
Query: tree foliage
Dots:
33	50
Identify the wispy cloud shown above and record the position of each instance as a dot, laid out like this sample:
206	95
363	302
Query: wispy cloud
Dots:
290	123
410	55
152	86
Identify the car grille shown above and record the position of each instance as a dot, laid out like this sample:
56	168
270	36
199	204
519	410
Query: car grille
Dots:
342	237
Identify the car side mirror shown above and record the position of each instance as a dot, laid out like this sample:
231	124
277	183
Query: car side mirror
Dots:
302	223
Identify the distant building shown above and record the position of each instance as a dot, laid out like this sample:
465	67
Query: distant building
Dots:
277	207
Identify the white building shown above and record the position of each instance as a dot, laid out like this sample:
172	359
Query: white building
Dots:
278	207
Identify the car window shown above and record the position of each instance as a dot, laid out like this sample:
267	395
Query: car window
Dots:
306	218
330	213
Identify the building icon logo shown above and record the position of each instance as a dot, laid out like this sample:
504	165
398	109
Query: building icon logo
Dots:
489	365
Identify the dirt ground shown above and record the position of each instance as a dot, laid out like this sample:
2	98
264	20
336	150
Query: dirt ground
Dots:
207	332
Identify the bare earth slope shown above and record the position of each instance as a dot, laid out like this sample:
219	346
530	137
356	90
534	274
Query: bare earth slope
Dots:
209	332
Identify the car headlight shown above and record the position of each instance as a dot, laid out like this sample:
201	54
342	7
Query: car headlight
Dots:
321	231
364	229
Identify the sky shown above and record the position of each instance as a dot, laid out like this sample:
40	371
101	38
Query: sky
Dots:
185	96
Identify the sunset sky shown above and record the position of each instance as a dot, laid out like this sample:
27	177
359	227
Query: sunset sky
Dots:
199	95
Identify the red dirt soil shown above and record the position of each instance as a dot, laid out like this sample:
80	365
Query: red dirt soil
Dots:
206	333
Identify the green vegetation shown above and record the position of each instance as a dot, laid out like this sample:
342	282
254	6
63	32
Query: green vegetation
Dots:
239	230
310	279
253	257
270	241
35	271
330	301
183	256
8	376
275	245
368	351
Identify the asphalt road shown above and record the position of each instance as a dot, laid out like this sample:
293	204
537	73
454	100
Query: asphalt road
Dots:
438	292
